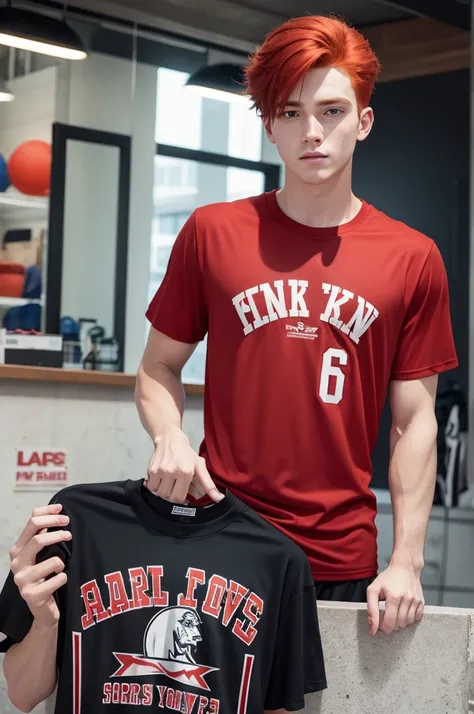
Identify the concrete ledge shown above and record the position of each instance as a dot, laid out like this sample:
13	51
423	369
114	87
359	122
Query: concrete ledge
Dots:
425	669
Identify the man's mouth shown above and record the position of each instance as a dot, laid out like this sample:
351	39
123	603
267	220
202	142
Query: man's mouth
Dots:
314	156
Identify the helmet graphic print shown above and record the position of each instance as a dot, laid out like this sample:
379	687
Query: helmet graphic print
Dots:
173	634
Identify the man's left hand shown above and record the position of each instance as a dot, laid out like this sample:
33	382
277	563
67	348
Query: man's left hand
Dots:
400	587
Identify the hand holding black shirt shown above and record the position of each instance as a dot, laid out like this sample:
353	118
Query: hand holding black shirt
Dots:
194	610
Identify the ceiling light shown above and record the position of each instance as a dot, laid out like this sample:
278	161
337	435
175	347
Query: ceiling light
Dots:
6	95
219	81
35	32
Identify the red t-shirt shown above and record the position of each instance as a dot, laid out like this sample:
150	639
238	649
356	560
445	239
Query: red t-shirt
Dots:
306	328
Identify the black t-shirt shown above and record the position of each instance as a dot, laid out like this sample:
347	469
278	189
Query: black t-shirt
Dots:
194	610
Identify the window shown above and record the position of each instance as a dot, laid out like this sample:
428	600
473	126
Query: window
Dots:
179	113
171	223
207	151
185	119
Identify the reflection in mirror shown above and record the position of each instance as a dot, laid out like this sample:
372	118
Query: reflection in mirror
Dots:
89	254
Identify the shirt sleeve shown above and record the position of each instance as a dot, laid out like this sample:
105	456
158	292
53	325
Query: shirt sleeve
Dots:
298	662
15	616
426	343
179	308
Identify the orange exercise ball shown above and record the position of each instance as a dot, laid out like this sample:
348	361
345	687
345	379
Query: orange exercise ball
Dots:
29	167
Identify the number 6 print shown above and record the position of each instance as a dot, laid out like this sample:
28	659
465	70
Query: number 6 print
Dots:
331	358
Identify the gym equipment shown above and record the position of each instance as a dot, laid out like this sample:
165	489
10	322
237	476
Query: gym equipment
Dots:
12	279
29	167
4	177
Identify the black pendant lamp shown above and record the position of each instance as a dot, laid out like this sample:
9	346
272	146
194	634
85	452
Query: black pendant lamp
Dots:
219	81
36	32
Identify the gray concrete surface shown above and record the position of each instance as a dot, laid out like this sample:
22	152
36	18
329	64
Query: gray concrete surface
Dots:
425	669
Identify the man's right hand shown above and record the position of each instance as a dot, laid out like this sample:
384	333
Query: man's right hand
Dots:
175	465
33	579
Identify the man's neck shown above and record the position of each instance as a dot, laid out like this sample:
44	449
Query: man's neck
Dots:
331	204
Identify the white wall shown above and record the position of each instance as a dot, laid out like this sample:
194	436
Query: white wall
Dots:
100	97
31	114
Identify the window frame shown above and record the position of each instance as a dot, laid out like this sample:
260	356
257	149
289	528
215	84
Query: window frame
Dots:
271	172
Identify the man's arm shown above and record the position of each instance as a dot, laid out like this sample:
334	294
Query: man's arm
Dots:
159	393
30	668
175	468
412	477
412	473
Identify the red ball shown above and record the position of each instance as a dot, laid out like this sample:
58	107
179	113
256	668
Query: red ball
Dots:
29	168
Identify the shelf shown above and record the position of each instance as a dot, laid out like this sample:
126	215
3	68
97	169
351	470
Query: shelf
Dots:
16	302
17	208
16	200
69	376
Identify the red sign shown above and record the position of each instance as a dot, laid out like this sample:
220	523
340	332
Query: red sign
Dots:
39	469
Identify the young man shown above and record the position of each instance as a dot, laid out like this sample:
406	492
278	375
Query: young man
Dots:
315	304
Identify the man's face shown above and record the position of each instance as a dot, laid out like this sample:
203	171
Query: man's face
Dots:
321	118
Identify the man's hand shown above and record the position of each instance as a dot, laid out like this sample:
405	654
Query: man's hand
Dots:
174	465
399	585
37	582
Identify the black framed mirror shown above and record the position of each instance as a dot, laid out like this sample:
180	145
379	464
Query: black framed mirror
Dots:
89	230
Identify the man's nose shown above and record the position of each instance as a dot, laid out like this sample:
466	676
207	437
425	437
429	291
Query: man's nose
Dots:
312	132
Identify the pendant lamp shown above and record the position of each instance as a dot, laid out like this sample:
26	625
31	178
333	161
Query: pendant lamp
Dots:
219	81
33	31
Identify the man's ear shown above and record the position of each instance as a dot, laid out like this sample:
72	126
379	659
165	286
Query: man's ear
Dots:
366	122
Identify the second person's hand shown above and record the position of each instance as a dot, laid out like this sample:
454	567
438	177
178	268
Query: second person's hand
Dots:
38	581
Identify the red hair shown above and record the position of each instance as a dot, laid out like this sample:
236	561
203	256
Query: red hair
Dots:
297	46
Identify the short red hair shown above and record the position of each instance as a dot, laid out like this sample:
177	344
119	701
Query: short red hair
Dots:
301	44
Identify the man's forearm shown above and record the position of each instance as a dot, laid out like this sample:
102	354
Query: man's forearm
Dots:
160	400
412	477
30	668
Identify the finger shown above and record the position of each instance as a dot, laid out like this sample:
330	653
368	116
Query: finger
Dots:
373	597
52	508
204	478
44	570
390	617
35	574
412	612
420	611
27	555
403	610
166	487
40	519
152	482
38	594
180	490
153	476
